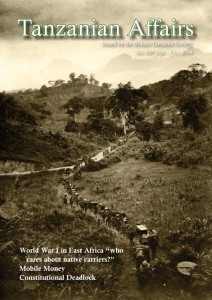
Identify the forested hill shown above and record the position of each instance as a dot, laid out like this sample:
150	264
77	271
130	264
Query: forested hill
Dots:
21	138
62	122
32	123
170	91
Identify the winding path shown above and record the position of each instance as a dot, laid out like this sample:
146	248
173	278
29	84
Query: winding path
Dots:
96	158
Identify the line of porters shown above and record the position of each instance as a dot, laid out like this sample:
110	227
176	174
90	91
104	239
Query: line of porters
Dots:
143	241
114	147
82	162
86	159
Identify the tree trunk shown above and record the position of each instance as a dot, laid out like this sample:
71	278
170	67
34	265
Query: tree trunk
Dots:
104	112
123	121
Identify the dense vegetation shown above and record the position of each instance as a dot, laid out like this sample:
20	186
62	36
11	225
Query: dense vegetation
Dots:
56	125
23	225
174	201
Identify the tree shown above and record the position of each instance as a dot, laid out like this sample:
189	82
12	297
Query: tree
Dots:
43	91
208	78
139	118
158	124
71	126
188	79
109	127
10	110
105	88
198	69
198	72
93	81
73	79
56	83
97	123
6	107
124	101
72	76
92	78
83	80
180	80
192	107
96	82
106	91
144	128
51	82
73	107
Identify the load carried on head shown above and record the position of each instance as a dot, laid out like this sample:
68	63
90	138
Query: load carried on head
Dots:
142	231
144	238
186	267
145	242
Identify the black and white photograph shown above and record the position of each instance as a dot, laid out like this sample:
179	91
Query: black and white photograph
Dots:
105	150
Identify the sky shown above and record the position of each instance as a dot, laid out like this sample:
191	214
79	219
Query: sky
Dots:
22	59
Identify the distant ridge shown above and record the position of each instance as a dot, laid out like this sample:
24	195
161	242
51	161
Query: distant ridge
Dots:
123	68
60	69
150	69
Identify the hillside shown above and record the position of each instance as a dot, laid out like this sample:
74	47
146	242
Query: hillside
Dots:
140	69
56	125
22	138
159	175
149	68
23	225
174	201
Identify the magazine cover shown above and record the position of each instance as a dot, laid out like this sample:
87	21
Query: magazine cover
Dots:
105	150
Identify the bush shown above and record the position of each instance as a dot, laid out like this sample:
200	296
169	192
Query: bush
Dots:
183	253
93	166
188	135
192	106
187	240
71	126
145	129
53	227
113	159
154	152
189	149
190	159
